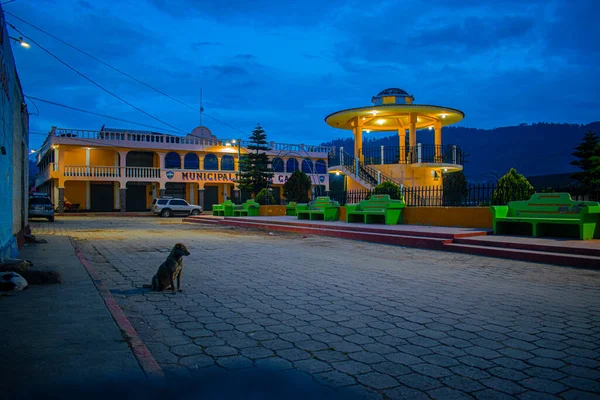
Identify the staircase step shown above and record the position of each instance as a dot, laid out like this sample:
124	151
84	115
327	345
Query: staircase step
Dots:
203	220
528	245
544	257
398	240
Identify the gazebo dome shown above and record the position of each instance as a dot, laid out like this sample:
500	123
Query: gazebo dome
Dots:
393	96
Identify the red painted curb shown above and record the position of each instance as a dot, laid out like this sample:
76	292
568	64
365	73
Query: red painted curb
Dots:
140	351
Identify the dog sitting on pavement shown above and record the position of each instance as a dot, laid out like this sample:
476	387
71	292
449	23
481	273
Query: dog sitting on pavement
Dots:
170	270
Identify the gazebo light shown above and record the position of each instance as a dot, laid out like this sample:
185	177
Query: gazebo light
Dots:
380	121
443	116
431	127
374	113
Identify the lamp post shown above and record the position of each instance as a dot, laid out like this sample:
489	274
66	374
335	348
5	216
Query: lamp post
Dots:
22	42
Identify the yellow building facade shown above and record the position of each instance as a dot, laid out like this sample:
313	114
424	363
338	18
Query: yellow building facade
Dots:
409	163
113	169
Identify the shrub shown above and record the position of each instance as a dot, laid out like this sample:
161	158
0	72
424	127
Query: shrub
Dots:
388	188
512	186
263	195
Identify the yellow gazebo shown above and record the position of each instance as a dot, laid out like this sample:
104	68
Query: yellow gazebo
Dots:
393	109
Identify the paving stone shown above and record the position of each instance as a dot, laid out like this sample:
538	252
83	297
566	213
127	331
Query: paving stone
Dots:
414	350
431	370
391	368
209	341
462	383
274	363
197	333
345	346
546	362
502	385
482	352
221	351
446	393
532	395
312	366
575	394
546	373
256	352
401	392
186	350
442	361
234	362
455	342
476	362
335	379
581	372
490	394
332	355
507	373
197	361
516	353
418	381
543	385
583	384
377	380
511	363
401	333
366	357
293	354
403	358
351	367
262	335
294	337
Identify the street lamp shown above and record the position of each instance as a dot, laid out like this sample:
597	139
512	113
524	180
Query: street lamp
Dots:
22	42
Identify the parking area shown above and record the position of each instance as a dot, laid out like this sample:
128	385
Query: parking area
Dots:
382	321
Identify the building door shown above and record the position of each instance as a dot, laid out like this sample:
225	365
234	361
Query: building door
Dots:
175	190
102	196
211	196
136	197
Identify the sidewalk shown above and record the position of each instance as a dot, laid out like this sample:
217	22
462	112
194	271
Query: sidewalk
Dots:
63	333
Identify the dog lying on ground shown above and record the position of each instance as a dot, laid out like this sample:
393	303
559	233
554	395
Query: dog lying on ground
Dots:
169	270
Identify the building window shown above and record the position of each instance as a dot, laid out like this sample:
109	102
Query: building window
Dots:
320	167
173	160
190	161
277	165
211	163
227	163
307	166
291	165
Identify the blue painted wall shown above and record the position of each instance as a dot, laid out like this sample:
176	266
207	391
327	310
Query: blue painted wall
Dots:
14	139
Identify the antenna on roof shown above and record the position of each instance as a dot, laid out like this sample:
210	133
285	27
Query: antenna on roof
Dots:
201	108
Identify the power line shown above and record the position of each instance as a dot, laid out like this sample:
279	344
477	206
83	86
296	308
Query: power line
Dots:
93	82
98	114
118	70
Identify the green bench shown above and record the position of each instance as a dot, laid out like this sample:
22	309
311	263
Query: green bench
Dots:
543	210
379	208
250	209
290	208
323	208
224	209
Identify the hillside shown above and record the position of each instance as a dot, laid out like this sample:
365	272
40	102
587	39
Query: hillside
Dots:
536	149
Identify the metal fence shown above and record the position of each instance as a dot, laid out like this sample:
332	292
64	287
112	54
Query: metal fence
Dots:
471	195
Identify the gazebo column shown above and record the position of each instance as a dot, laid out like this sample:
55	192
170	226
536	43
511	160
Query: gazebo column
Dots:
437	141
358	142
412	136
402	145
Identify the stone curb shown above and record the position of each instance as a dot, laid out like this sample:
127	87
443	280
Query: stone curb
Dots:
140	351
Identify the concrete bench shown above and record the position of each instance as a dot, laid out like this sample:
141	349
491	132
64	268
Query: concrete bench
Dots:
544	210
322	208
380	208
224	209
249	209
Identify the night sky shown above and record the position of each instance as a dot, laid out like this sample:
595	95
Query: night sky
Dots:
288	64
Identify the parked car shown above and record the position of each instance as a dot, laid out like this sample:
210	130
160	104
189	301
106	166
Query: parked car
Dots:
168	207
40	206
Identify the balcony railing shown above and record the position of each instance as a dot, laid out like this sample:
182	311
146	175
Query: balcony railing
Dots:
141	137
422	153
111	172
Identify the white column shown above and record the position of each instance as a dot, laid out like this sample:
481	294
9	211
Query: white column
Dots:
87	160
56	161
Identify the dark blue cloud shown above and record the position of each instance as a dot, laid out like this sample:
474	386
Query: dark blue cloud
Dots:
289	64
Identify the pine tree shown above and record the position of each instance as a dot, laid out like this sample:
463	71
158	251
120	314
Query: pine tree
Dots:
588	154
255	167
297	187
